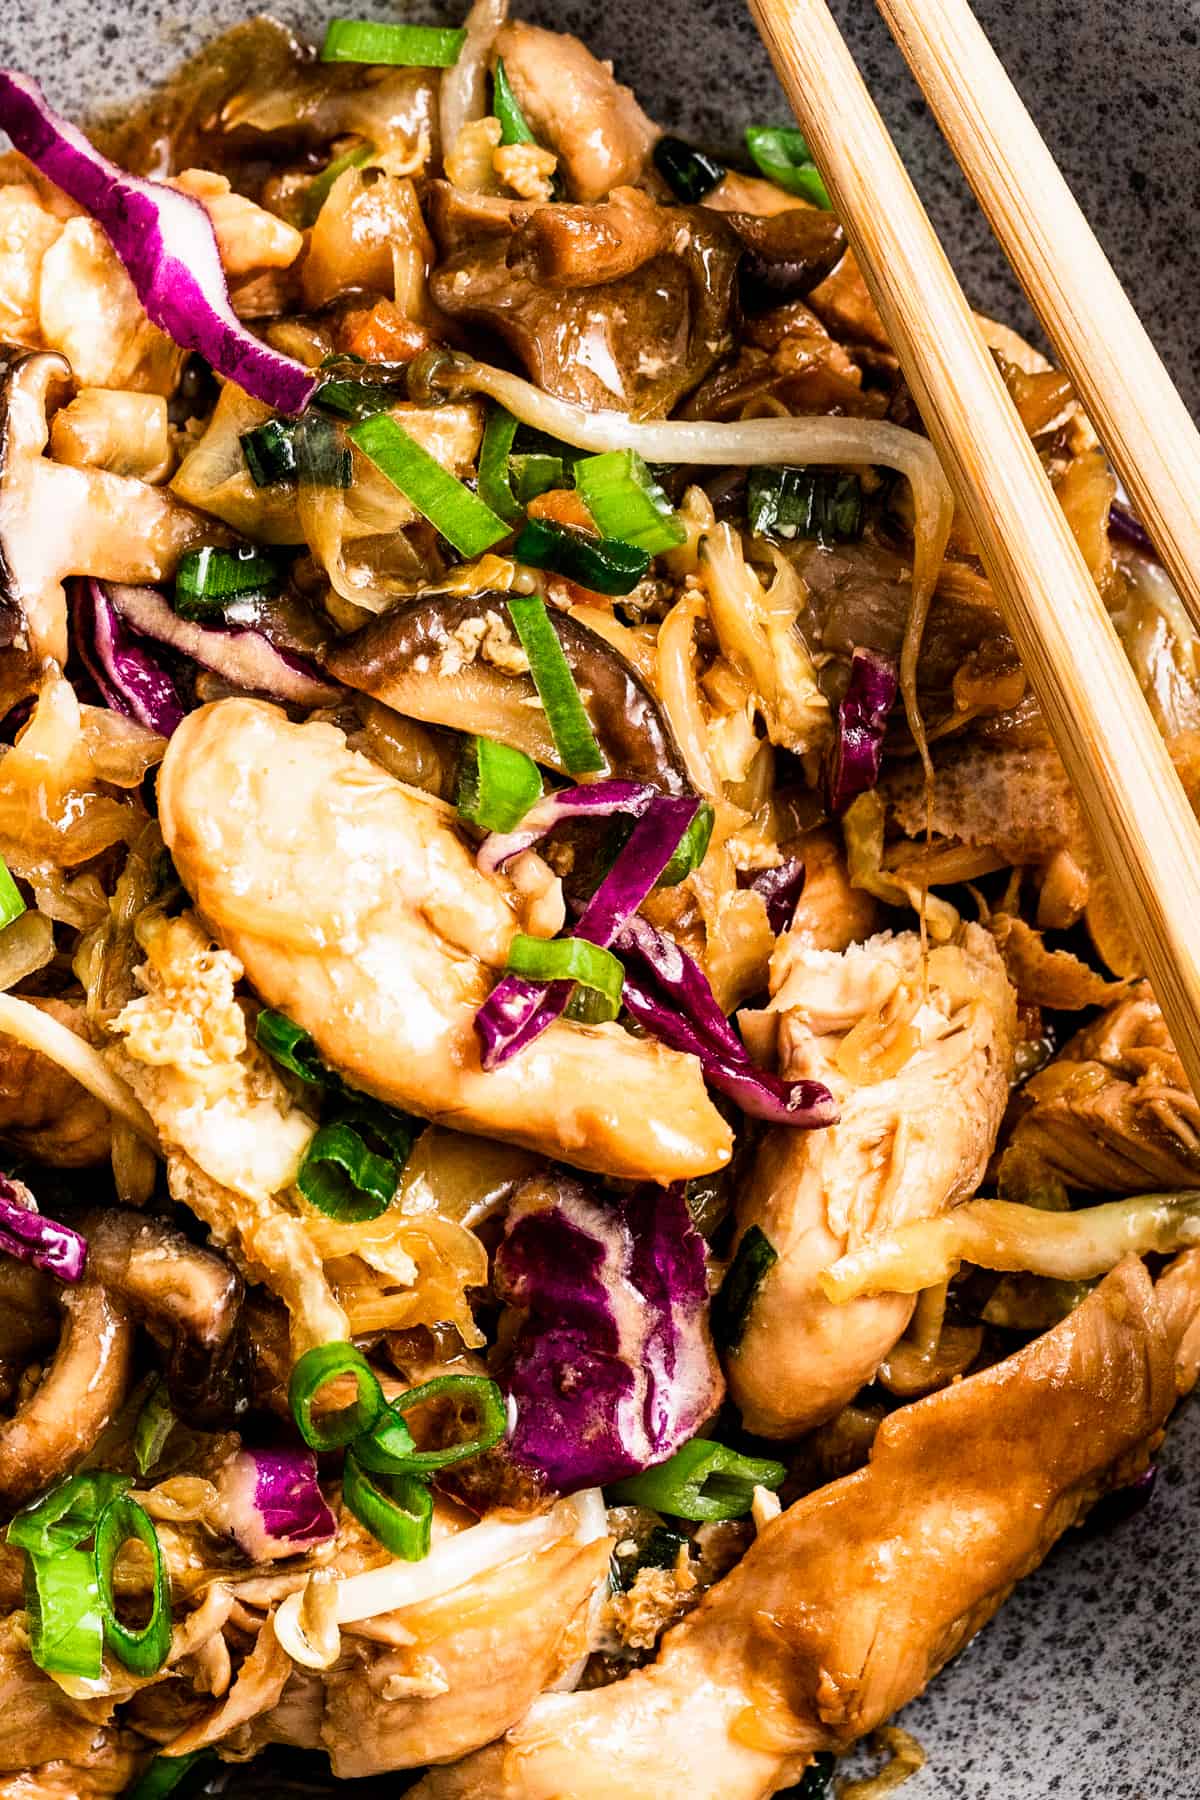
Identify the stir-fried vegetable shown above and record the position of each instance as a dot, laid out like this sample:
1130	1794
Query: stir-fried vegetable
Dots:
703	1480
690	174
756	1256
627	503
142	1649
497	785
804	503
11	903
66	1626
270	451
461	516
570	959
206	579
605	565
514	128
155	1423
566	714
31	1237
410	46
314	1372
781	153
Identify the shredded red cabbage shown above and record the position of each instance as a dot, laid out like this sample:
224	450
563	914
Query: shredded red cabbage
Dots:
1124	523
245	657
273	1504
600	800
668	995
861	722
166	242
780	888
612	1367
518	1011
128	677
27	1235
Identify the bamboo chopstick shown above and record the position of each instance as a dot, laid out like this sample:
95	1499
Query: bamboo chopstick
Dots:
1122	775
1070	283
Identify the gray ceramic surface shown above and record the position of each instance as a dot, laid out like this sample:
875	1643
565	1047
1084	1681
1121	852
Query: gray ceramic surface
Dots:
1085	1685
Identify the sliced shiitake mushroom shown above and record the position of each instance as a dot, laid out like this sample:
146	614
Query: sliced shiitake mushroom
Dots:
787	254
429	659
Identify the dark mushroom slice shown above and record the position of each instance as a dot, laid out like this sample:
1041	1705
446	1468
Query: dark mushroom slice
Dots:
57	521
787	254
77	1398
418	661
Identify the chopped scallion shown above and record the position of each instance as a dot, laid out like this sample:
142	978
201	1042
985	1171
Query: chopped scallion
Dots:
345	1179
62	1600
155	1423
461	516
627	503
66	1515
781	153
318	189
702	1481
755	1258
404	46
691	849
207	578
690	174
569	959
604	565
323	459
535	472
164	1775
514	128
660	1551
497	785
313	1372
804	503
289	1046
396	1509
495	453
384	1449
143	1649
270	451
11	903
566	714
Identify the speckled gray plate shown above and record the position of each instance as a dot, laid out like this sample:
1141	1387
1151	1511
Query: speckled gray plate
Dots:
1085	1685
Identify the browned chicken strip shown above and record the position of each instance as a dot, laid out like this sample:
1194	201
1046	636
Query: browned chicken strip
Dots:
853	1599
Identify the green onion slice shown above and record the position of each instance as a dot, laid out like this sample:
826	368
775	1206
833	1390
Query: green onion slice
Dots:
691	849
704	1480
207	578
536	472
290	1047
66	1515
317	191
405	46
514	128
756	1257
11	903
497	785
781	153
143	1650
627	503
605	565
345	1179
314	1371
164	1775
495	486
388	1448
690	174
660	1551
804	503
565	712
323	459
270	451
155	1423
568	959
396	1509
461	516
66	1629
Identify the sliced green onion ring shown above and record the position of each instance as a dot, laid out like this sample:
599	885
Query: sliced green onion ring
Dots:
702	1481
11	903
568	959
404	46
397	1509
318	189
289	1046
207	578
314	1371
143	1650
781	153
605	565
344	1178
536	472
787	502
62	1600
565	712
627	503
495	486
691	849
755	1258
155	1423
384	1449
270	451
514	128
461	516
690	174
497	785
164	1775
66	1515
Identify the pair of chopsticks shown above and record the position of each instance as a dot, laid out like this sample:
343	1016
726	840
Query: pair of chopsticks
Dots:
1134	805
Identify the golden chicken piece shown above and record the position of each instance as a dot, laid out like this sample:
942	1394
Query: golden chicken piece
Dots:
44	1113
356	908
1112	1111
921	1078
846	1606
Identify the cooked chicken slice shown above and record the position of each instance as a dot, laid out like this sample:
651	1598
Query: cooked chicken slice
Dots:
43	1111
830	914
921	1076
356	908
49	1745
1113	1110
845	1606
575	104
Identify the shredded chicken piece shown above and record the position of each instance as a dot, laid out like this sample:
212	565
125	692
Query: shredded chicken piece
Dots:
44	1112
248	236
527	169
